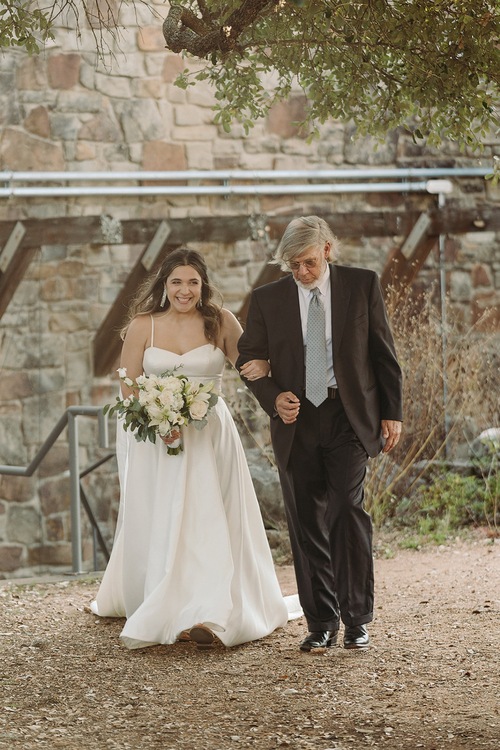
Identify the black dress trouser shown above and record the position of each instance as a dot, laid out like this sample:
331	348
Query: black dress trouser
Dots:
330	532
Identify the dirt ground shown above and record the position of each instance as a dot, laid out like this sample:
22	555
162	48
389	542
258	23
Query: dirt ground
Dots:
431	678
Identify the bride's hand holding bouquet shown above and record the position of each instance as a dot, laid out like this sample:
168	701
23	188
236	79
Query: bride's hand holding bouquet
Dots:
161	405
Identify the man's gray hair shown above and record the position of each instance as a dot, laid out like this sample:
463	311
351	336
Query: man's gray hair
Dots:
301	234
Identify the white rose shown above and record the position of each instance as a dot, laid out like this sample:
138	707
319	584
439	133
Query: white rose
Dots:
177	401
199	408
127	402
172	384
166	398
146	398
122	372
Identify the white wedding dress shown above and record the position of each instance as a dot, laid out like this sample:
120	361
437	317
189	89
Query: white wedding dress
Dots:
190	545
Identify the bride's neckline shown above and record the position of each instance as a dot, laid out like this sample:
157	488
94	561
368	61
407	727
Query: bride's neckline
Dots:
202	346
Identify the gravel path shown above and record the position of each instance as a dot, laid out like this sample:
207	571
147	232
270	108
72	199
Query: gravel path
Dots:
430	680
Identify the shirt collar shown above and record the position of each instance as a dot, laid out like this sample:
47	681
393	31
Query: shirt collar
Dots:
323	284
324	281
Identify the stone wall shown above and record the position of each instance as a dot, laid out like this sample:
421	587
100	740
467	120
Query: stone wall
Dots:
68	110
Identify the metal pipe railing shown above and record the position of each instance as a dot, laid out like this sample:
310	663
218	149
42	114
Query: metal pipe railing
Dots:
324	181
69	419
223	190
249	174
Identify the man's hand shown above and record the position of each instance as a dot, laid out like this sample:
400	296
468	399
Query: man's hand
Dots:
287	405
391	432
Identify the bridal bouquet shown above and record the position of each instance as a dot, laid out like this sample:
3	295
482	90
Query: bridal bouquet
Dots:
162	405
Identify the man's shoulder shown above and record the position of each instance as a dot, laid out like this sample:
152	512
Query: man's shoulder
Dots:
274	287
354	274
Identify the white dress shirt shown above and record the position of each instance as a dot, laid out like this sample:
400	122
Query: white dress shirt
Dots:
305	296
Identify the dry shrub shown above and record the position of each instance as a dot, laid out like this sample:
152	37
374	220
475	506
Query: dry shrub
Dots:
451	386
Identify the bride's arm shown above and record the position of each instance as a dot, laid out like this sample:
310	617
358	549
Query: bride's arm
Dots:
133	348
231	332
255	369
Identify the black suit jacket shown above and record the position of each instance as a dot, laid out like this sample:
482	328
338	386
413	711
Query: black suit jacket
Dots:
366	368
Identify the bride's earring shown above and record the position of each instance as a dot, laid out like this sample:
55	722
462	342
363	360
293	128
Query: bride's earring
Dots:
199	304
163	296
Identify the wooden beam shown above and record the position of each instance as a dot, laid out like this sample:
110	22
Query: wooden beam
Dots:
107	342
94	230
416	235
404	263
105	230
151	253
10	248
399	273
452	219
14	260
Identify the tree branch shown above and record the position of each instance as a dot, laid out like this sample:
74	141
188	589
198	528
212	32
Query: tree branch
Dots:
183	30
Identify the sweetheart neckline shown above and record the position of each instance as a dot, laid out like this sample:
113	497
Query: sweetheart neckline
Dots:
169	351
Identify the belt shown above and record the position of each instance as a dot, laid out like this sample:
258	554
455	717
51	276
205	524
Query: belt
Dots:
333	392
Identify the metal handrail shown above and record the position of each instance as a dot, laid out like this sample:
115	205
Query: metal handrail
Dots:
274	175
255	182
69	419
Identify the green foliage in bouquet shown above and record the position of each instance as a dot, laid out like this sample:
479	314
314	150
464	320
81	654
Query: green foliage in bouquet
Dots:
162	405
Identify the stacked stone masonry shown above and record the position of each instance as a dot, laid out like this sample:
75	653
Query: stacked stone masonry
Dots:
69	110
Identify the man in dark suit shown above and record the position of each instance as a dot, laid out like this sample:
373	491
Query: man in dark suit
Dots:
322	442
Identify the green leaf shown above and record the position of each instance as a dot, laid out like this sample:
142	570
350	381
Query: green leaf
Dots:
380	65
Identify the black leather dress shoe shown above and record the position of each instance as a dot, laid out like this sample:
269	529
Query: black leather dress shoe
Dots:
319	640
356	636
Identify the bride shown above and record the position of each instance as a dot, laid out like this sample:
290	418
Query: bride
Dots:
190	557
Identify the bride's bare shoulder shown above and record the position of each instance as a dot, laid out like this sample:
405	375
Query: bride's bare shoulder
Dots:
229	321
139	325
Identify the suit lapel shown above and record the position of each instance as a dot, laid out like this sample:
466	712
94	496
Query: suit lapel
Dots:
293	308
293	324
340	303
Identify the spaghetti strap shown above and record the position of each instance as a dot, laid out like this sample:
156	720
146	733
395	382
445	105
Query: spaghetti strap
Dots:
152	329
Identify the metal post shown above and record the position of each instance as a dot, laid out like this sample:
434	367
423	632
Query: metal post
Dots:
444	327
74	479
441	188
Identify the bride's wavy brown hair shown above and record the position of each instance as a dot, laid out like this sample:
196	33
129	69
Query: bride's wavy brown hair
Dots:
148	298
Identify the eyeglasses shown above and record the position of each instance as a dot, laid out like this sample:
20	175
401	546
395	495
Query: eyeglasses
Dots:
309	264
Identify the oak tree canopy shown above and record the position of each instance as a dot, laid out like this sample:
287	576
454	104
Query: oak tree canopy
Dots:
431	66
